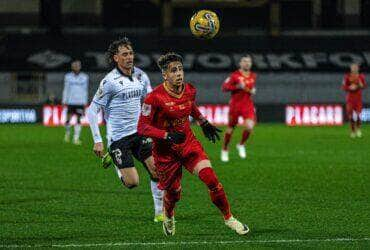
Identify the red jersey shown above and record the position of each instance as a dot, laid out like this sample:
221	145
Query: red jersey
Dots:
164	111
239	96
356	79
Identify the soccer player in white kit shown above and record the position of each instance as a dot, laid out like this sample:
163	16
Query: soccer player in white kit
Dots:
75	95
119	95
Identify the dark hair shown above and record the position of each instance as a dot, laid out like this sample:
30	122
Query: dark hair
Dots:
75	61
113	49
166	59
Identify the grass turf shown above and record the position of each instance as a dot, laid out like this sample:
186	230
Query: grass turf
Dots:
297	183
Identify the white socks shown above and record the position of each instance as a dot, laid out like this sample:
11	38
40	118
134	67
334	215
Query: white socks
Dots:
156	193
157	198
118	172
77	131
68	130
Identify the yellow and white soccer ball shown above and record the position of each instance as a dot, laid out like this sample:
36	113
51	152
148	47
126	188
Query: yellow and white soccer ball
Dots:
204	24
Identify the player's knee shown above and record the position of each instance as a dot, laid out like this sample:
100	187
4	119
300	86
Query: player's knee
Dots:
249	125
149	165
249	128
131	182
130	185
229	130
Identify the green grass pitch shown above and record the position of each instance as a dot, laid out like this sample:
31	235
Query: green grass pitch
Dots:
299	187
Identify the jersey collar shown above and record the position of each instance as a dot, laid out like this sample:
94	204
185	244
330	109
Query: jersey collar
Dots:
128	76
173	94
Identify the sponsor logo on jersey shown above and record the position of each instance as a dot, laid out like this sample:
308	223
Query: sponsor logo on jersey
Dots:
146	109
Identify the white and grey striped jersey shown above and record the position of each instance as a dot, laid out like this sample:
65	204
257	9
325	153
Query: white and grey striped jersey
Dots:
120	98
76	89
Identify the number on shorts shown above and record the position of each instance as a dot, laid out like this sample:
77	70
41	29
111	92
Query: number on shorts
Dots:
117	155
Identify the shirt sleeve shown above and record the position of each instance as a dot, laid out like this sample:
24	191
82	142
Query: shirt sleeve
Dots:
92	116
345	84
148	112
148	84
195	113
253	83
87	89
229	84
65	90
104	93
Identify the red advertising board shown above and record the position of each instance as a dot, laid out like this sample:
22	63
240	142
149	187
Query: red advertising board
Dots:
55	115
314	115
217	114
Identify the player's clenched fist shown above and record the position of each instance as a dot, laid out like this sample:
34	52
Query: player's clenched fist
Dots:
99	149
175	137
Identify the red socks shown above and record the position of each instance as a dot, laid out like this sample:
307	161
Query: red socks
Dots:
245	136
352	125
216	191
226	141
358	122
169	201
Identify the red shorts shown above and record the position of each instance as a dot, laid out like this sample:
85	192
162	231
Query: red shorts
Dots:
353	106
169	162
246	112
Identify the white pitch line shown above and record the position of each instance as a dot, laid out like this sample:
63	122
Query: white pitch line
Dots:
188	243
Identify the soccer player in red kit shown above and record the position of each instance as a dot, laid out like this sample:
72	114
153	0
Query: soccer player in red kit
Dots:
165	118
353	84
241	84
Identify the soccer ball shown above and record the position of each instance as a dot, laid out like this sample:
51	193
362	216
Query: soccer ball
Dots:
204	24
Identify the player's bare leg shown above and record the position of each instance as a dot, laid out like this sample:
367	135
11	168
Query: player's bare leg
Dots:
225	145
218	196
249	125
67	135
128	176
171	196
157	194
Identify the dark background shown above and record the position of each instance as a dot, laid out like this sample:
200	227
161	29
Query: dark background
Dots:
301	49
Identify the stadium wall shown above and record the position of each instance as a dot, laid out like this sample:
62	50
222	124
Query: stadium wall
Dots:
272	88
291	70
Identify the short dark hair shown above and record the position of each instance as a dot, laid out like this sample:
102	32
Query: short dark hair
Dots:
164	60
113	49
75	61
